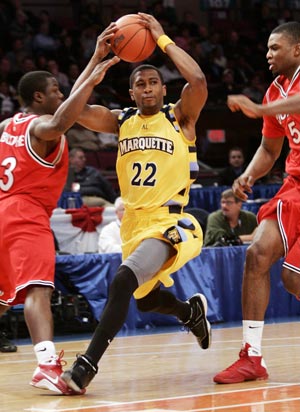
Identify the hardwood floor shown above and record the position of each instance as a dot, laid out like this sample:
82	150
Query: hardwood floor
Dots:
165	372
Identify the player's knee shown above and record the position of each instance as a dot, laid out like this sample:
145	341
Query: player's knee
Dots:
124	282
258	258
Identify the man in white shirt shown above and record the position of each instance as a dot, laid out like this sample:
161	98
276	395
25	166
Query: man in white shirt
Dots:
109	238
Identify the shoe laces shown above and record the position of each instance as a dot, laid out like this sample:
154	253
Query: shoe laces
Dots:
59	359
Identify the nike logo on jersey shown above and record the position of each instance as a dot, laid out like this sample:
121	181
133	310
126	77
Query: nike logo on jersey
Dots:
42	350
254	327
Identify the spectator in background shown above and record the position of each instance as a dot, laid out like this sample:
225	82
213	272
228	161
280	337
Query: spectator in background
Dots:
8	72
242	68
110	238
62	78
255	90
41	62
27	65
216	74
169	71
54	29
87	41
108	140
20	27
91	14
82	138
68	51
43	42
73	72
183	38
210	42
8	100
95	189
233	45
190	23
227	86
230	225
16	54
236	166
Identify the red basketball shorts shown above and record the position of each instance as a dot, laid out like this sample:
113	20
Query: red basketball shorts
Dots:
26	249
285	208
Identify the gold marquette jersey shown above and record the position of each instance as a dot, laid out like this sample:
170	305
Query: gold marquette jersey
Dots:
156	164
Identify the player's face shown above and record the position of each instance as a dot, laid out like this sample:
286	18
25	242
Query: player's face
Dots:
53	96
148	91
283	55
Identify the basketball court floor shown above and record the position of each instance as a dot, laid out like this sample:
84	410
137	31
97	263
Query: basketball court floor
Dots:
164	372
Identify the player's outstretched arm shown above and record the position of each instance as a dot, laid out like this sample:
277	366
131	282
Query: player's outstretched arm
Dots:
283	106
52	127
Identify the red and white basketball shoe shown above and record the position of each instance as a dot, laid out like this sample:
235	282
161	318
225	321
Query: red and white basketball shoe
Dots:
47	376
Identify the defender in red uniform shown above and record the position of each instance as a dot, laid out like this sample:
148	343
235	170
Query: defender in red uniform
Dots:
278	233
33	170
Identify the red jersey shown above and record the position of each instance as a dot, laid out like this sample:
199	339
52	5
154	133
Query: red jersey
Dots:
29	190
287	124
23	172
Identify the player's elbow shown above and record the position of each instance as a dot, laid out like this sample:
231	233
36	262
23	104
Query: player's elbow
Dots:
199	82
200	79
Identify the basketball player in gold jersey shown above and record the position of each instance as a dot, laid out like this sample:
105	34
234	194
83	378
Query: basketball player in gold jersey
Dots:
156	165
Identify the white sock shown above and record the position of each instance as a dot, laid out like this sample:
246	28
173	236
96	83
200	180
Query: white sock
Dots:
252	334
45	352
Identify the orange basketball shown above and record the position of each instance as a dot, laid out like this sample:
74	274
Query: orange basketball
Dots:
132	42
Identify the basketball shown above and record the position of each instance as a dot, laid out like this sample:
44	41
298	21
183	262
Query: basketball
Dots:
132	42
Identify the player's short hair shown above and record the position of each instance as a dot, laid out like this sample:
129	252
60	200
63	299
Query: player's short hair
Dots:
141	68
31	82
290	29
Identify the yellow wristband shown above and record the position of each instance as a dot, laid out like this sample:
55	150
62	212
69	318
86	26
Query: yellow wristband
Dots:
163	41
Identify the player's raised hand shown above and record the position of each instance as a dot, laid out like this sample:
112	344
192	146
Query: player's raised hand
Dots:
103	46
152	24
100	70
241	185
